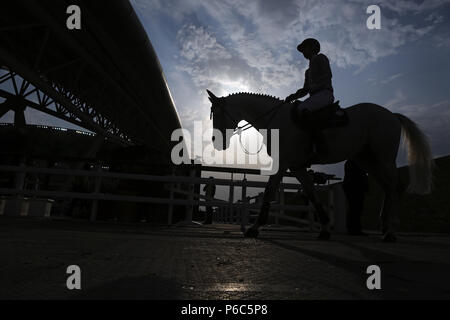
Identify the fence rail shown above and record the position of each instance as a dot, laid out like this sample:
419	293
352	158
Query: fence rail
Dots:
228	211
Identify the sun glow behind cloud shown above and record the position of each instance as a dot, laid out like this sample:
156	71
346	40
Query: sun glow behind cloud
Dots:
229	86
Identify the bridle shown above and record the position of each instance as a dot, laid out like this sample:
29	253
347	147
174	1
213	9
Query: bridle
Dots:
239	129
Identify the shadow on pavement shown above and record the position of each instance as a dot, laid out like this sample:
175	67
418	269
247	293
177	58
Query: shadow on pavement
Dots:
149	287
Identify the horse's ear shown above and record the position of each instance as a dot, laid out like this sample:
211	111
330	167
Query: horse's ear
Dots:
211	97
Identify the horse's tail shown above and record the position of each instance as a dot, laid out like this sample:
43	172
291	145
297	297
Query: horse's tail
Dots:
419	157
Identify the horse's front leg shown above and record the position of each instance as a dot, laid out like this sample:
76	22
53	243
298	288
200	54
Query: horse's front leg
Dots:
308	185
269	192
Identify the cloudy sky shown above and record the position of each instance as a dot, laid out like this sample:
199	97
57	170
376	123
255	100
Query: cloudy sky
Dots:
241	45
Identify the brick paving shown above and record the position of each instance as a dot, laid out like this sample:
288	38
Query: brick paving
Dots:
213	262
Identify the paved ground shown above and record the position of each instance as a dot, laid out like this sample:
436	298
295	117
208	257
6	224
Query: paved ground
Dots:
213	262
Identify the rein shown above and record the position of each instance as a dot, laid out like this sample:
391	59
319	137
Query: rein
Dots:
272	111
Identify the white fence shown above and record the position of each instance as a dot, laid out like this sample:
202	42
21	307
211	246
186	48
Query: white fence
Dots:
228	211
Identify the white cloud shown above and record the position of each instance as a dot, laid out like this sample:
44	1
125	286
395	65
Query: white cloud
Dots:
399	98
212	65
198	45
259	37
442	41
391	78
375	81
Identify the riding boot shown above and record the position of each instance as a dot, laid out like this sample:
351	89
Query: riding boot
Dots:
311	153
320	143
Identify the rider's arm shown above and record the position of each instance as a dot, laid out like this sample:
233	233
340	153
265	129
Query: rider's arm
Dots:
305	90
300	93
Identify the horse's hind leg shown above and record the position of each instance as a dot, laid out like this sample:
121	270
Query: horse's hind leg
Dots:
307	183
386	174
388	177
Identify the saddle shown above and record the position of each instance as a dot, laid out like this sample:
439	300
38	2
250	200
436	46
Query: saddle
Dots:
331	116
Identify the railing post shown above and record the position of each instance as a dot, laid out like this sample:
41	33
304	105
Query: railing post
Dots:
190	208
244	211
281	199
230	201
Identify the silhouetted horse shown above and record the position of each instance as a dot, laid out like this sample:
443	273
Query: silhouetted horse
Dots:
371	139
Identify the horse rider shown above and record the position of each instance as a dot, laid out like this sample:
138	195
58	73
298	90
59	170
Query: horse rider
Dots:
318	85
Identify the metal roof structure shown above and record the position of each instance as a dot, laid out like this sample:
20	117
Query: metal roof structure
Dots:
105	77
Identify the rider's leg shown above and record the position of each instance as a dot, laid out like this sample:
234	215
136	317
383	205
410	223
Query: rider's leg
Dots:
320	144
317	101
313	103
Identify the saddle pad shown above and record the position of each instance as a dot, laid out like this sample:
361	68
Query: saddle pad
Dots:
330	116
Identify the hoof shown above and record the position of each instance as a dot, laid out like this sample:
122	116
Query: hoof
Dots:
389	238
251	233
324	235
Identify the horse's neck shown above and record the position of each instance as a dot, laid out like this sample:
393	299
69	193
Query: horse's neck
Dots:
251	109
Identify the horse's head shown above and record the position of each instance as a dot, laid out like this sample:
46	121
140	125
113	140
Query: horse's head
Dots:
222	120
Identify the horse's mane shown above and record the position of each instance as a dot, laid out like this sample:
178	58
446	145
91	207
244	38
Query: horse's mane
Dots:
266	96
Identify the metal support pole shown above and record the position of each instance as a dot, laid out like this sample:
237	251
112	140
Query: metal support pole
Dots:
20	178
19	185
331	211
310	216
281	198
97	186
171	196
339	206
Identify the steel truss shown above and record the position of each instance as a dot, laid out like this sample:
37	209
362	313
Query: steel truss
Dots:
20	93
45	68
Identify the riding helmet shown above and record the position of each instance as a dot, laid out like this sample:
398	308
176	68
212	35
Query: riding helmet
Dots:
310	42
